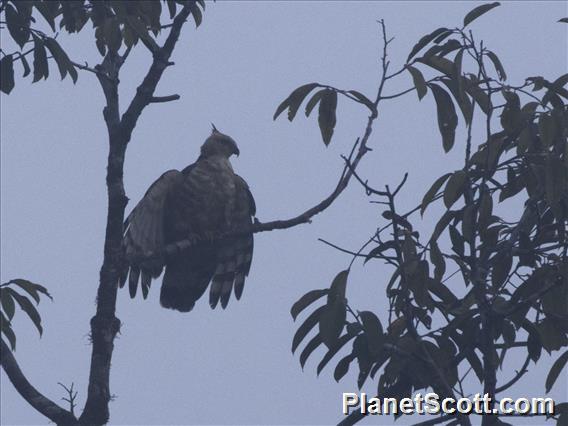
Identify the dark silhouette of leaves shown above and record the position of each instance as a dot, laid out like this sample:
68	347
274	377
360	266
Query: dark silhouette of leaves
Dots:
327	117
6	74
555	370
447	118
306	300
478	11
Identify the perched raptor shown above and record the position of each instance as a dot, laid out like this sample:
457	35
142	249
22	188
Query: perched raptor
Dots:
199	203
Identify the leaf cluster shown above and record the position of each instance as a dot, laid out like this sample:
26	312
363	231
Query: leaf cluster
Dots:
513	271
10	298
117	24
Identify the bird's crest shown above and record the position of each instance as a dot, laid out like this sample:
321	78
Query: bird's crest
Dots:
214	129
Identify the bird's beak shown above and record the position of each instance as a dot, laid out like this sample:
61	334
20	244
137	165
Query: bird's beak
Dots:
237	152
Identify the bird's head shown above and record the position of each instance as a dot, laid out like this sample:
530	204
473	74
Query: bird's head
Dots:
219	144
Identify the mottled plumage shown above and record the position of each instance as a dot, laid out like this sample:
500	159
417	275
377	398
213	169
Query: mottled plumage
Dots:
205	199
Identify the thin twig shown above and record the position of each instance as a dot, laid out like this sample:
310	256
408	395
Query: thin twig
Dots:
37	400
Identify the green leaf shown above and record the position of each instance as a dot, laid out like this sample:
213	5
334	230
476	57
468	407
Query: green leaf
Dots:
361	350
485	210
475	363
31	288
140	29
460	96
129	36
478	11
497	64
437	260
7	331
447	118
454	188
547	129
373	330
306	327
342	341
552	336
419	82
331	323
502	263
447	67
509	333
342	367
440	64
113	35
17	26
7	303
468	221
294	100
7	74
555	370
306	300
338	286
28	308
310	105
171	8
555	301
424	41
49	10
534	344
332	319
442	224
379	249
63	62
444	49
429	196
443	36
196	12
457	241
41	68
26	66
441	291
327	118
362	99
310	347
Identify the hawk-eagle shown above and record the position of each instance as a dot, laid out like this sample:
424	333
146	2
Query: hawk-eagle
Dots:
199	203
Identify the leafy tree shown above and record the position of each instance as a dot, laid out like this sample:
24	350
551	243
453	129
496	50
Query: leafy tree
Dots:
513	269
119	27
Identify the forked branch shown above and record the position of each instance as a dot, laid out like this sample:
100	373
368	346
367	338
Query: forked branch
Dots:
36	399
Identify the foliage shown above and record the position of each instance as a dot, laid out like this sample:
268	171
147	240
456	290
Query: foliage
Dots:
116	24
9	297
513	270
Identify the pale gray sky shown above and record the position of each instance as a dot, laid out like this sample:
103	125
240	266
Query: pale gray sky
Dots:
233	366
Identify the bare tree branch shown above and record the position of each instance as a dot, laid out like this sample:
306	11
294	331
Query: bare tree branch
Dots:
160	99
161	61
72	395
517	376
37	400
105	325
305	217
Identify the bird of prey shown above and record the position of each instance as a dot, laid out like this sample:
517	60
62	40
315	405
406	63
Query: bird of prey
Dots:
199	203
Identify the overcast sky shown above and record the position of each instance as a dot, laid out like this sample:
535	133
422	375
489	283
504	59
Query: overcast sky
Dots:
233	366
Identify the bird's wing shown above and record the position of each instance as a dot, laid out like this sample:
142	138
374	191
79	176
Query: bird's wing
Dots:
234	254
144	231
